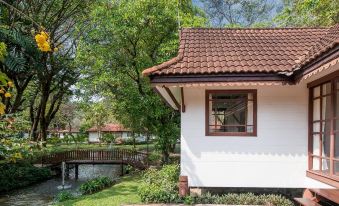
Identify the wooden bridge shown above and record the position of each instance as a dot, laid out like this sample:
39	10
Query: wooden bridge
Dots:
114	156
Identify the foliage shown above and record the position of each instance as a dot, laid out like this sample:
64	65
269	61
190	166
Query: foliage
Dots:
19	175
13	145
3	51
54	140
126	38
238	199
95	185
108	137
42	74
308	13
63	196
154	158
160	186
239	13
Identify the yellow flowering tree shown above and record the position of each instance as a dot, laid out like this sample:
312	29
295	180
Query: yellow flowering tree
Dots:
5	86
43	41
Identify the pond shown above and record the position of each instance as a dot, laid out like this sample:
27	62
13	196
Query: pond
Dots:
44	193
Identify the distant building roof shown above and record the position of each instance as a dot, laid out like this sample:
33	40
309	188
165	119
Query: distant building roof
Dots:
109	128
73	130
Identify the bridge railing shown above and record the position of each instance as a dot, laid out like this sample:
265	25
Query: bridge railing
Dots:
126	156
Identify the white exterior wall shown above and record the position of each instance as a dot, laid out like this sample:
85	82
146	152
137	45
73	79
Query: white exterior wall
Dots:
276	157
93	137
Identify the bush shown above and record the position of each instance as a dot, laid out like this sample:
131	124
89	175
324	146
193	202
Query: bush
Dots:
239	199
14	176
63	196
95	185
160	186
54	140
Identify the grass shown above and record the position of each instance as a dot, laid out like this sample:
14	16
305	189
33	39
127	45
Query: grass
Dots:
122	193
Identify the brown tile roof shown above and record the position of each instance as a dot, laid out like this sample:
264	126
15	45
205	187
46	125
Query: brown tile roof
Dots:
109	128
212	51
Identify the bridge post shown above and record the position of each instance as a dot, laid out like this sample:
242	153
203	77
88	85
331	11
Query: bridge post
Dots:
67	171
122	169
76	169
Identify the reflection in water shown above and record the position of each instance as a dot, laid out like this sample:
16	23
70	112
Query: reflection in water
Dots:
43	193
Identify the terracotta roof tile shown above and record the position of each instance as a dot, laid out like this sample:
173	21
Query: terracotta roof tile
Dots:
205	50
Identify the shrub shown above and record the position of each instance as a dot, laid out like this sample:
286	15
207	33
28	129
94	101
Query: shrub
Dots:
63	196
54	140
160	186
95	185
19	175
154	158
239	199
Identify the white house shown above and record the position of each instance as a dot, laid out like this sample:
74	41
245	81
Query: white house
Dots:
118	130
259	107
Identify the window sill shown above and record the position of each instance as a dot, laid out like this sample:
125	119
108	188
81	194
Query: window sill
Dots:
332	181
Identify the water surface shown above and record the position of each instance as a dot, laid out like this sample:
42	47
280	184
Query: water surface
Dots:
43	193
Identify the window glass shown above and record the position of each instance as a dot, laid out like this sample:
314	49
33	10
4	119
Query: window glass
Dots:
316	91
316	144
231	112
316	109
336	168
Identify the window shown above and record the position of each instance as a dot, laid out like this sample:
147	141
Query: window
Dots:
324	130
231	112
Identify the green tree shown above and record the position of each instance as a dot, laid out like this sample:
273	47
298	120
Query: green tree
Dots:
52	71
308	13
239	13
127	37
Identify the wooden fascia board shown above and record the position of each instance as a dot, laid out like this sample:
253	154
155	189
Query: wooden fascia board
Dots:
183	107
218	78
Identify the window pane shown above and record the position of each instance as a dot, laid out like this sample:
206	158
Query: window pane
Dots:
316	91
316	144
316	109
316	127
250	111
325	166
326	88
336	168
326	107
232	112
316	165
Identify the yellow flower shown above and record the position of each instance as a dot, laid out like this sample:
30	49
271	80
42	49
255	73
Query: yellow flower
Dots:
2	108
44	34
8	95
40	39
2	91
10	84
45	47
56	49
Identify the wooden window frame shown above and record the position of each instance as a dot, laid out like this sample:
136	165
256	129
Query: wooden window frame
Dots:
237	134
330	178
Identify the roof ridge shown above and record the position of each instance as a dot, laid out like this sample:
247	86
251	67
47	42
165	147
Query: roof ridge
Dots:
308	57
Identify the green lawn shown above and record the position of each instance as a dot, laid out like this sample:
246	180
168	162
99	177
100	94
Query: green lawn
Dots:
124	192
